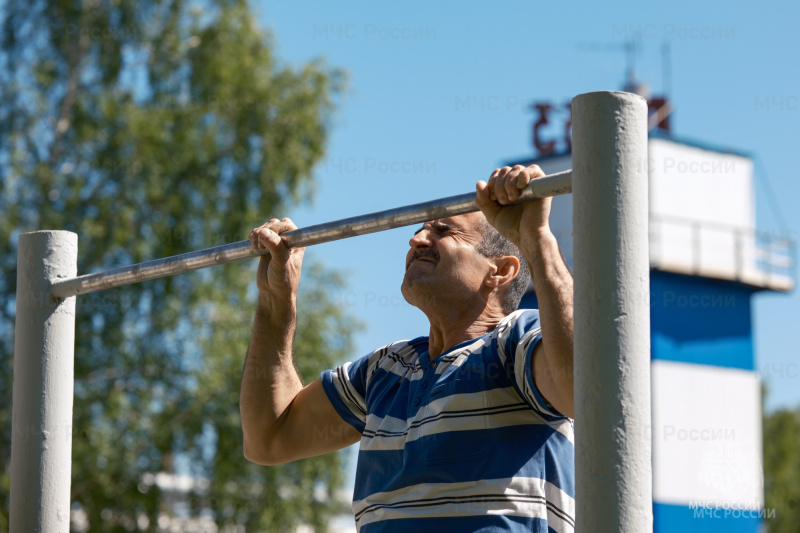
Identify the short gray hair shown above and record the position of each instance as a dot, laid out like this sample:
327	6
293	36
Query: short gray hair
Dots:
492	245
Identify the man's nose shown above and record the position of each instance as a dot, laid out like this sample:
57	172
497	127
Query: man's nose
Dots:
421	239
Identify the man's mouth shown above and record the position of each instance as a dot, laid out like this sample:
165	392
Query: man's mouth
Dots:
429	256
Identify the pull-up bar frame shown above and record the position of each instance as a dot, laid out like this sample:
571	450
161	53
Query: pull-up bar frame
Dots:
611	332
560	183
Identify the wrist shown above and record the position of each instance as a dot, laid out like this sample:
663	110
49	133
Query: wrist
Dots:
534	239
276	309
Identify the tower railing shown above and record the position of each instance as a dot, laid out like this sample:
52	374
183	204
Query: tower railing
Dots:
724	251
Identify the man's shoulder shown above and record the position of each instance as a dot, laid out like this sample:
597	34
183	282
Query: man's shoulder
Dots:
419	344
515	328
524	319
408	349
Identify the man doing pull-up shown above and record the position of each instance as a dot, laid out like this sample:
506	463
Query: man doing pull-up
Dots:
466	429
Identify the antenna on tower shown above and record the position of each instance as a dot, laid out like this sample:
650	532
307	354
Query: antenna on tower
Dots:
666	68
632	83
631	48
660	108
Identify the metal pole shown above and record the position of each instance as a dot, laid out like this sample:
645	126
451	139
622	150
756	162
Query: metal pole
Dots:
612	313
41	427
559	183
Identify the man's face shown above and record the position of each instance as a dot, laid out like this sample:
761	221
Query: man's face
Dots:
443	262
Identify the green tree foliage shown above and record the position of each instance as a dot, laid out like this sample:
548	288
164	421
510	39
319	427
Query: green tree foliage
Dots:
782	470
154	128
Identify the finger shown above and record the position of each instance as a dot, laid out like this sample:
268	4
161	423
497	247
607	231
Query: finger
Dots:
523	180
484	201
499	188
482	193
256	239
262	235
535	171
281	226
511	188
271	222
505	184
492	181
268	239
254	235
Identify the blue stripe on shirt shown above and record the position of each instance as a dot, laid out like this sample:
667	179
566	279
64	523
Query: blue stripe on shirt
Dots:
473	524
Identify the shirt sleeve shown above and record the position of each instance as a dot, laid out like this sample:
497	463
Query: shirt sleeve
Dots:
345	387
517	336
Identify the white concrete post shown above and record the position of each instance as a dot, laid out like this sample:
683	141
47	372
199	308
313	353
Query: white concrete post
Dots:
613	473
41	427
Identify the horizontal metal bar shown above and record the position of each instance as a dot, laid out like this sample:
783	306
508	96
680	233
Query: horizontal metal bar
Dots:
552	185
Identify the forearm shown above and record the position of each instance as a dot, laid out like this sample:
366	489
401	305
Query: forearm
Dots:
269	380
553	284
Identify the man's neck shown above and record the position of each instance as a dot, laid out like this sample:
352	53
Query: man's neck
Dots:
448	331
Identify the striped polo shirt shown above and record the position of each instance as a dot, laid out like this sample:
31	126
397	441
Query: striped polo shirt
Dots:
461	442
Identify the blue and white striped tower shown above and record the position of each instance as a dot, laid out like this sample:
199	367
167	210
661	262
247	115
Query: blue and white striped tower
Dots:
707	260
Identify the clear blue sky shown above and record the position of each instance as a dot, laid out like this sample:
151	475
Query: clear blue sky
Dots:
438	98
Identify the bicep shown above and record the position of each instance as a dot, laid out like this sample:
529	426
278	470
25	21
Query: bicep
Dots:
554	383
313	427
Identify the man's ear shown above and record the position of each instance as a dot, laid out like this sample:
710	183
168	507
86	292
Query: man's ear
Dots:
505	271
